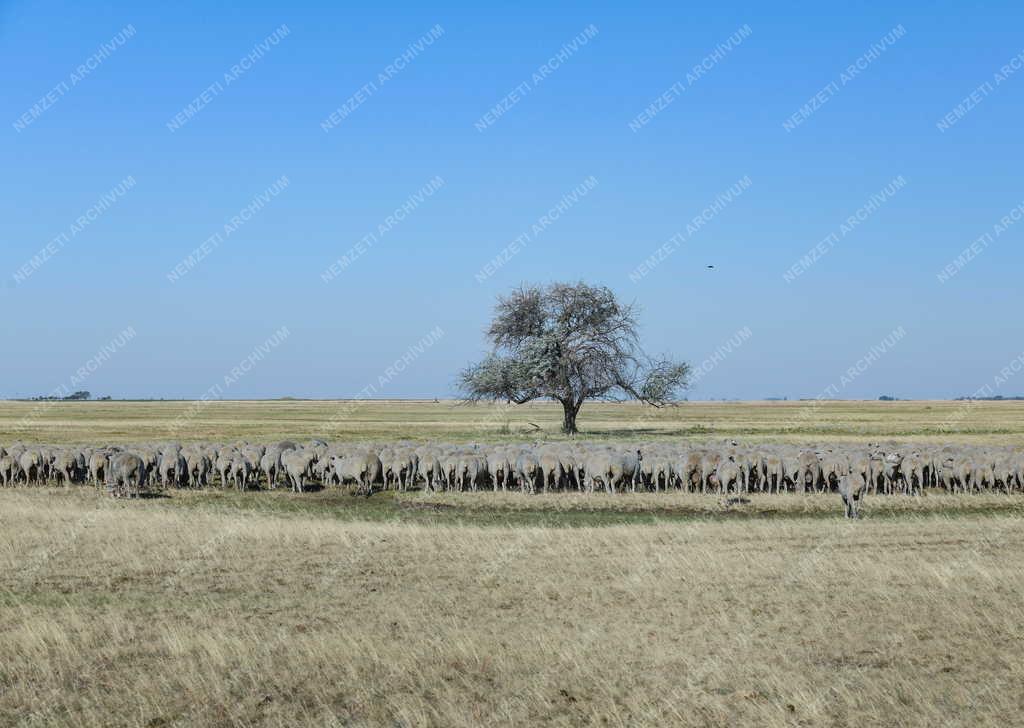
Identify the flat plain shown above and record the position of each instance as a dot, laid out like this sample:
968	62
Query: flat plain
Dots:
220	608
977	422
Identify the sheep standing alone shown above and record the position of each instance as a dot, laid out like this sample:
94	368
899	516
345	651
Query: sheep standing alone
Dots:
851	488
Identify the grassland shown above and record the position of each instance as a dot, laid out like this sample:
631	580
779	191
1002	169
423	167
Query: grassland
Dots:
219	608
208	610
114	422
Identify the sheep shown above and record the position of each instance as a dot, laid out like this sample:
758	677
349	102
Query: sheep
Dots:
852	489
7	470
564	466
364	468
296	464
126	475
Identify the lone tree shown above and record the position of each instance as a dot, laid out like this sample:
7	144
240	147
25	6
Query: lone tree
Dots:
570	343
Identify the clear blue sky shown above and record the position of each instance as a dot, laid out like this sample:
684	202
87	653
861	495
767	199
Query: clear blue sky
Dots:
571	125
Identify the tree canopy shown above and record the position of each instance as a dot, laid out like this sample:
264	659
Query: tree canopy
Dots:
569	343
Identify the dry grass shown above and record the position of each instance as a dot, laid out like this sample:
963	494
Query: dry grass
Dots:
746	505
91	422
150	614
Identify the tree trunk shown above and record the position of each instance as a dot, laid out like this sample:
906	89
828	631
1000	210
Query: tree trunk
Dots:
570	411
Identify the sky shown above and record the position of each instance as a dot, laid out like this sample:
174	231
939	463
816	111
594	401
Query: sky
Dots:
306	193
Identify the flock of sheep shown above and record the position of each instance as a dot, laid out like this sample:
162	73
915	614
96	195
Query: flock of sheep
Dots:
849	469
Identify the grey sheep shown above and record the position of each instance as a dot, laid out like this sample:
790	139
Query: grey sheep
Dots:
126	475
852	489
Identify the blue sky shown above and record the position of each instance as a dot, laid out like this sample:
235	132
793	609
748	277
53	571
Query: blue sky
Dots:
421	122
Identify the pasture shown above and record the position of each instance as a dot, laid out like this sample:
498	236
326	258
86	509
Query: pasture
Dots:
221	609
216	607
935	422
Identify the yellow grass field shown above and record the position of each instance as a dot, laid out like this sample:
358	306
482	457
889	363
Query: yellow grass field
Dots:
119	422
195	613
228	609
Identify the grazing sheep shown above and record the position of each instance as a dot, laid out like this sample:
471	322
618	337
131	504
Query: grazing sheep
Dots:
7	470
659	471
64	468
688	470
528	469
775	473
728	475
599	466
199	467
708	465
296	464
31	464
240	471
833	467
126	475
808	471
723	467
173	470
98	464
270	465
363	468
429	467
852	489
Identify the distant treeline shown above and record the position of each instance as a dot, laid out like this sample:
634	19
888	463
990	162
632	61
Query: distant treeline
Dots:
997	398
73	397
